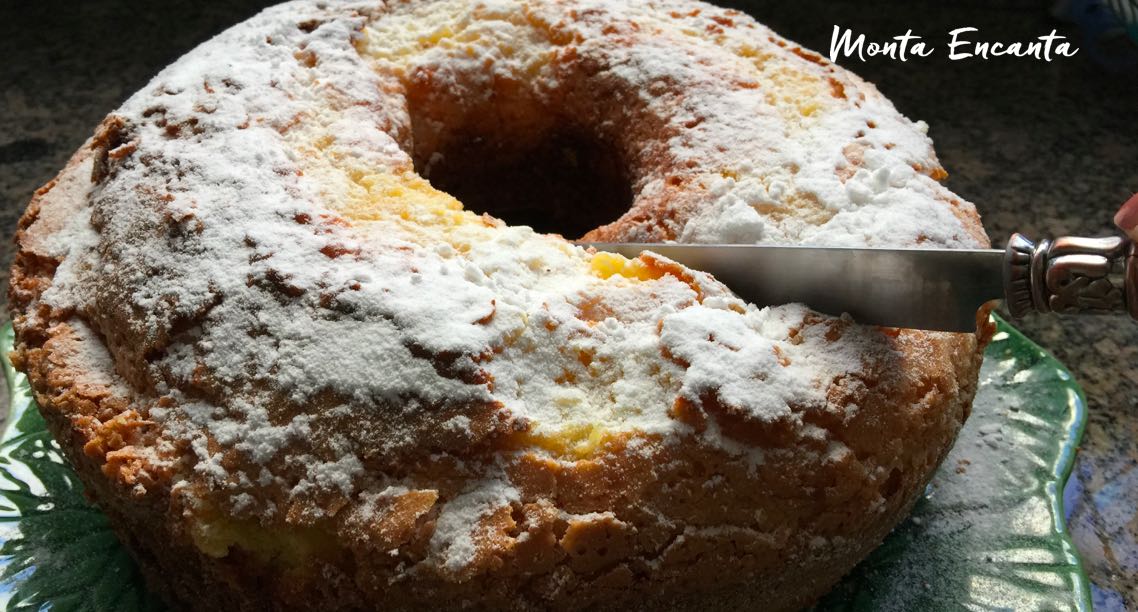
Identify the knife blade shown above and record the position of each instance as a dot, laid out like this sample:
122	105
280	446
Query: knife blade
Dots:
933	289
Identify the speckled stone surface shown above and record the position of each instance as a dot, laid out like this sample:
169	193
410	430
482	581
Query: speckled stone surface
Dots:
1041	148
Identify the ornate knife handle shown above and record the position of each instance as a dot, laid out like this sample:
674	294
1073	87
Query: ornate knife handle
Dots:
1071	275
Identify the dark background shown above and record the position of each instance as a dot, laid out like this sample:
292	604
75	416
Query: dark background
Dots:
1041	148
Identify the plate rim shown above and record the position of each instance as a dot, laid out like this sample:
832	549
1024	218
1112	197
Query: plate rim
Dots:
1068	455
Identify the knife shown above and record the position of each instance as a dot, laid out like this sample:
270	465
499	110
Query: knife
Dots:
933	289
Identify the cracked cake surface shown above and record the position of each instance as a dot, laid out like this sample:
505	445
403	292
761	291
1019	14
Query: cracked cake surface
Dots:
295	372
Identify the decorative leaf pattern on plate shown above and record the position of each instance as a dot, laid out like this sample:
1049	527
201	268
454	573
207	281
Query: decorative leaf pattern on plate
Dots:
989	535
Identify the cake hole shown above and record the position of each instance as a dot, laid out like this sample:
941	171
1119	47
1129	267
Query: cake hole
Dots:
566	182
308	26
893	484
520	521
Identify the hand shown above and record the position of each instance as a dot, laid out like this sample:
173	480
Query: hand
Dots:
1127	217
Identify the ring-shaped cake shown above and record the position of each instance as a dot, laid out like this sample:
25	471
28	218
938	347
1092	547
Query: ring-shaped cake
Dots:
296	372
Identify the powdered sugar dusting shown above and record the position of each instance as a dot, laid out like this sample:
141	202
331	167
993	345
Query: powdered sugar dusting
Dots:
303	312
455	538
90	360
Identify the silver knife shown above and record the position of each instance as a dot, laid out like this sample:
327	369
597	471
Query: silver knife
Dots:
933	289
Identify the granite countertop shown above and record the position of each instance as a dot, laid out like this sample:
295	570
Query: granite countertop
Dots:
1041	148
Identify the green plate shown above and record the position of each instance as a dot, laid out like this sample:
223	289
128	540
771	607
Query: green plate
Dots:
989	534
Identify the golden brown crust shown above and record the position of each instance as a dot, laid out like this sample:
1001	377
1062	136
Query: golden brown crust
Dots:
640	521
572	564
